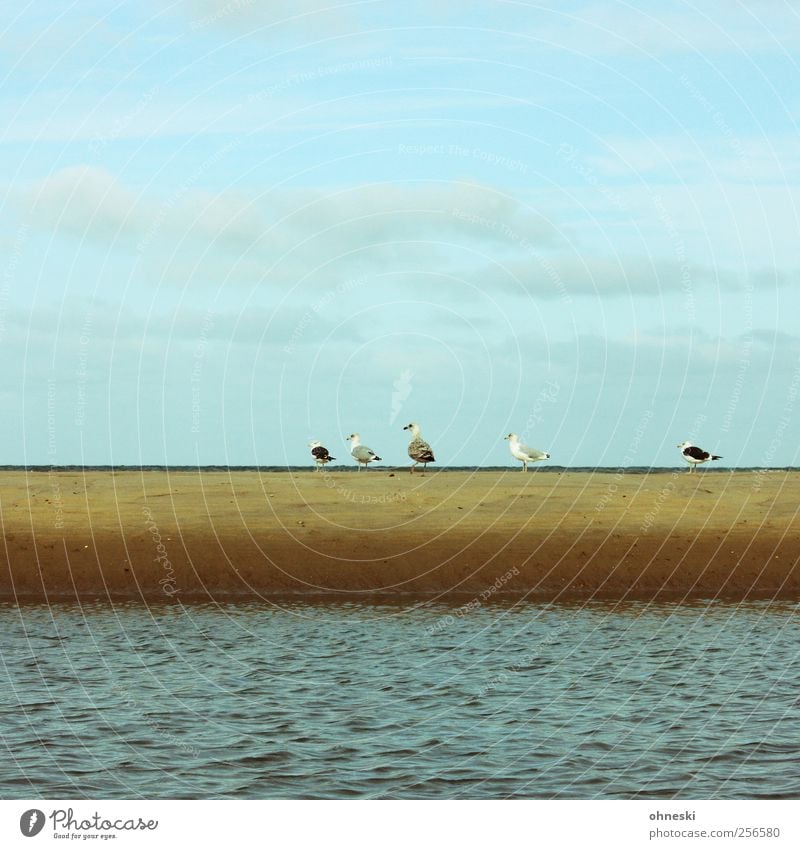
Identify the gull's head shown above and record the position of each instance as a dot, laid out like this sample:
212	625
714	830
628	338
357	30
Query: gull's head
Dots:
512	436
413	427
315	443
684	445
354	437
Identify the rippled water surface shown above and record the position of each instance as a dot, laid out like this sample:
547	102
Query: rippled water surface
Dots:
343	701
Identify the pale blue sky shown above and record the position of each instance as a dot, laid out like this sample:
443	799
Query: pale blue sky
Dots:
230	227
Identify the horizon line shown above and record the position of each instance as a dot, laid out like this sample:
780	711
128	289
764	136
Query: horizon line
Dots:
101	467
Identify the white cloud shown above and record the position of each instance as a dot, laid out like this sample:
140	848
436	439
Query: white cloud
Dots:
661	30
363	225
67	41
85	202
293	239
314	18
564	276
774	159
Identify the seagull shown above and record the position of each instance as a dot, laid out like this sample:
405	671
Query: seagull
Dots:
320	453
694	456
418	449
522	452
361	454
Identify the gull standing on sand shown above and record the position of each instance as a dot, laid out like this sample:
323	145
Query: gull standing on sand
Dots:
523	452
319	453
361	454
418	449
694	456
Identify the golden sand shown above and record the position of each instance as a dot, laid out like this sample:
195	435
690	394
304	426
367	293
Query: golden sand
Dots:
482	536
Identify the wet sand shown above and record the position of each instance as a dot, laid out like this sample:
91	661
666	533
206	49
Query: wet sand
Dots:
472	538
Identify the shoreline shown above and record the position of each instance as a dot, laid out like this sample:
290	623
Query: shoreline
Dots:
449	536
347	468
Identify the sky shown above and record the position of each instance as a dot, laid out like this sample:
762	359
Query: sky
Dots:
229	227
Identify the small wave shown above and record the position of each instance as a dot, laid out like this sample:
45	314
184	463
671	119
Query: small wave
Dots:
396	715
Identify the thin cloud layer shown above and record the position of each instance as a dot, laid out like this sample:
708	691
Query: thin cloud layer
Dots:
655	30
313	18
256	218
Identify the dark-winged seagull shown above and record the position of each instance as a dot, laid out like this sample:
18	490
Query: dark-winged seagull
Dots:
361	454
418	449
320	454
523	452
694	456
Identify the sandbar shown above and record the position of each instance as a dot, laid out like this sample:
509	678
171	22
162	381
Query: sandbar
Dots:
467	537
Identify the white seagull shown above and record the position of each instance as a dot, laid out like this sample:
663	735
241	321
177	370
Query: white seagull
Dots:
523	452
418	449
694	456
320	453
361	454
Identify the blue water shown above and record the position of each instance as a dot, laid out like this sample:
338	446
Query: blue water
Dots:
427	701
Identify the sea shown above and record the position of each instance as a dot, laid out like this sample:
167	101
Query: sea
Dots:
409	700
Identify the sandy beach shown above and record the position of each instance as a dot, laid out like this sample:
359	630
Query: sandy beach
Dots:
470	537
